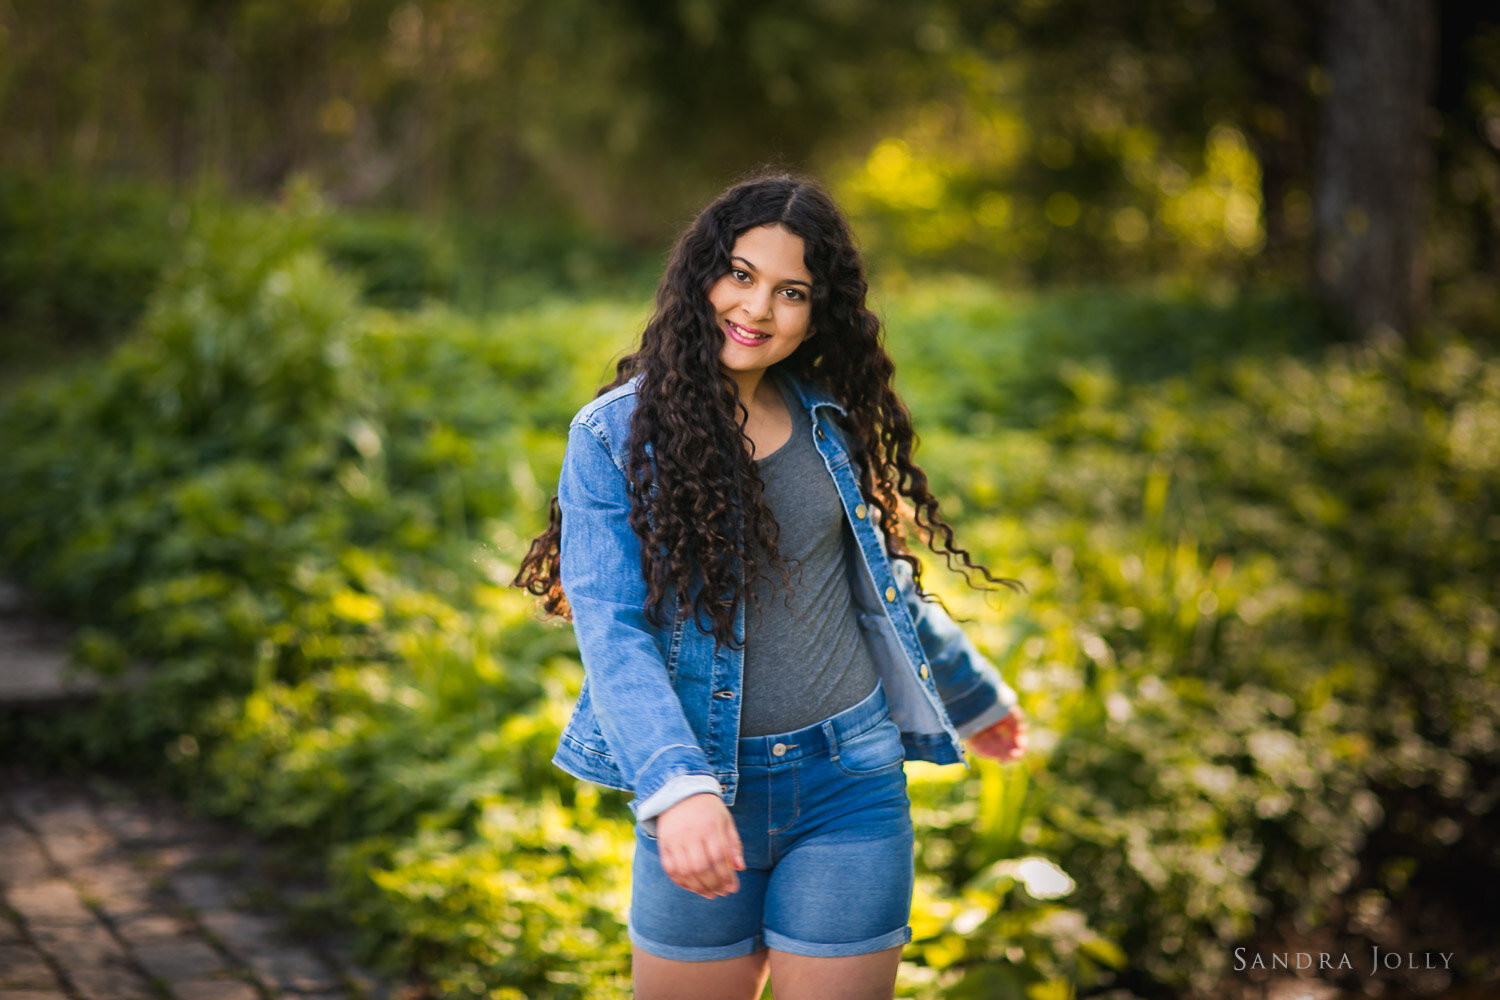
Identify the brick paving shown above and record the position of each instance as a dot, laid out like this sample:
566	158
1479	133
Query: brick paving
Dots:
106	894
109	893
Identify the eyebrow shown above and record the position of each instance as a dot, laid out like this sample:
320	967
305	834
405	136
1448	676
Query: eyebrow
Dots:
787	281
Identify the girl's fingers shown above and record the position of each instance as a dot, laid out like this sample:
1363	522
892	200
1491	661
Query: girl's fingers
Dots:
722	850
690	881
701	868
1005	740
725	880
736	849
700	847
706	874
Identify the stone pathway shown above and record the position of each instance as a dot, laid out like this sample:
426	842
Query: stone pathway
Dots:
34	667
108	893
105	895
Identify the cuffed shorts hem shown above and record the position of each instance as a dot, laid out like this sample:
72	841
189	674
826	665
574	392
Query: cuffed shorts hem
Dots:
813	949
687	953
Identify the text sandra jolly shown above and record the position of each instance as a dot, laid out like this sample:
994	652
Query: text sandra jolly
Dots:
1390	961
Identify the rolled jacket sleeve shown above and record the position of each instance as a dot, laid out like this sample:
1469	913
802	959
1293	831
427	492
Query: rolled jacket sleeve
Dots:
674	791
637	710
973	692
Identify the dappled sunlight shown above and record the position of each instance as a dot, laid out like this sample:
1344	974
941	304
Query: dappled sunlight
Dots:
1218	210
987	183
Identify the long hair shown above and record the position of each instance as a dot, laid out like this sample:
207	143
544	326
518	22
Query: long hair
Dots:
697	503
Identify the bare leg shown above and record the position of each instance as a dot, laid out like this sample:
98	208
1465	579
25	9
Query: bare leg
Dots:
856	977
656	978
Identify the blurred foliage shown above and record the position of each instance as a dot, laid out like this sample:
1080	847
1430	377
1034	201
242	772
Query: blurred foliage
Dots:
402	265
565	106
1036	141
1258	638
1024	377
77	260
294	509
80	259
1260	627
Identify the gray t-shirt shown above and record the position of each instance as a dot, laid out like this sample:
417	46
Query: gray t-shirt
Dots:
805	659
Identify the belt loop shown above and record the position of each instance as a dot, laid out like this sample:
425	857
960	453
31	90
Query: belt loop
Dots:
830	733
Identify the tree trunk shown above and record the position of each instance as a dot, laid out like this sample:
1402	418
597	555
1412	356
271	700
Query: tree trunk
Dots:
1374	159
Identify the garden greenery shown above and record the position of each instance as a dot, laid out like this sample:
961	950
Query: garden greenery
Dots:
1258	634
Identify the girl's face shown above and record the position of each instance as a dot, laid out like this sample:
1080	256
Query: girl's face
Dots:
764	303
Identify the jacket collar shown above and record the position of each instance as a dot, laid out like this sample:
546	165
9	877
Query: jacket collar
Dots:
811	396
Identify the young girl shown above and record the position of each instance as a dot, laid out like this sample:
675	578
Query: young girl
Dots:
759	656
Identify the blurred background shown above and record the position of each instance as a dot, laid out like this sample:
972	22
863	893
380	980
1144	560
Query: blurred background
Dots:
1195	304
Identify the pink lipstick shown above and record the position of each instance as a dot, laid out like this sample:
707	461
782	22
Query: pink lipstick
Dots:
742	335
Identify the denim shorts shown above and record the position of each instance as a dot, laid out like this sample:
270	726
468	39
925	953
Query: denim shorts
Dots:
825	823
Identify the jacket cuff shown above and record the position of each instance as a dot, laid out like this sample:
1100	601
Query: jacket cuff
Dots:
674	791
987	697
984	720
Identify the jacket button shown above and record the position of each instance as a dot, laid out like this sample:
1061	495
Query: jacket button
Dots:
890	593
779	749
725	694
922	671
820	433
860	512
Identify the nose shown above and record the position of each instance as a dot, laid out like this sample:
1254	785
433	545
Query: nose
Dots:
758	303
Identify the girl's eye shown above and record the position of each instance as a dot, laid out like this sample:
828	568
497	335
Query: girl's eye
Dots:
795	294
739	274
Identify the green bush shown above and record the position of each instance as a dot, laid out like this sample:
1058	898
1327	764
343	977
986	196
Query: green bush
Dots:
401	263
78	260
973	360
1260	627
295	509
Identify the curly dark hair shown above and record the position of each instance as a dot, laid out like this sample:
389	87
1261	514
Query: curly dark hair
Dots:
706	522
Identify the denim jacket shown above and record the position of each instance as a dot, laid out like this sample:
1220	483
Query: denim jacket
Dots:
660	706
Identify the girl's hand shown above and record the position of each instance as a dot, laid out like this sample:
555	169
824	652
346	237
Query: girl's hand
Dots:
1005	740
699	846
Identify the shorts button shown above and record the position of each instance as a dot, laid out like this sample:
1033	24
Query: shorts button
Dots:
859	512
820	433
779	749
890	593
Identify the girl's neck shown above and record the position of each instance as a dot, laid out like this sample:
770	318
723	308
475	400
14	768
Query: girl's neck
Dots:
758	392
768	422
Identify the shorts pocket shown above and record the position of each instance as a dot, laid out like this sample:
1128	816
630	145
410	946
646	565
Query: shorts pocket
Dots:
877	750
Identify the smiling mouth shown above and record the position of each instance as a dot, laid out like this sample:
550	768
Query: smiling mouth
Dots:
741	335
